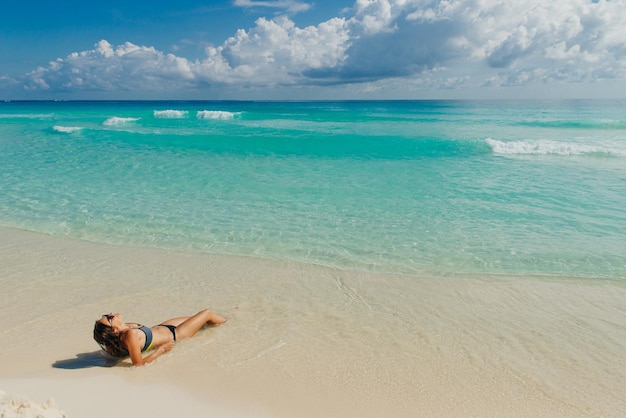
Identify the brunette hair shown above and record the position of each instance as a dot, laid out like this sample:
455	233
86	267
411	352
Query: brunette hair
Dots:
109	340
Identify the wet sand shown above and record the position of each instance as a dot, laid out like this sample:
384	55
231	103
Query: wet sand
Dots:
305	340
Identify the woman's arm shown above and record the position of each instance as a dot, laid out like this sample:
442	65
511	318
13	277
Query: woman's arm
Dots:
140	360
134	351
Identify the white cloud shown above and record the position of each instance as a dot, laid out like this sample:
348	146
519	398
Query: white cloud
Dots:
276	51
437	43
125	67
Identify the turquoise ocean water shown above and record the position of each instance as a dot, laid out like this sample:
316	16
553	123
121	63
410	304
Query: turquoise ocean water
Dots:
424	187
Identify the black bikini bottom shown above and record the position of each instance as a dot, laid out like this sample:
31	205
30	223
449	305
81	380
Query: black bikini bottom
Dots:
172	329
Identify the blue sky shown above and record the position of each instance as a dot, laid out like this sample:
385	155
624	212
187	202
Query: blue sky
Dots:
318	49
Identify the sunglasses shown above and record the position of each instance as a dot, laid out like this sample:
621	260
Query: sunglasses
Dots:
109	318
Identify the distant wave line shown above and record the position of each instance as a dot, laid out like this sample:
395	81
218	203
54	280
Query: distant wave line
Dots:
25	115
178	114
565	124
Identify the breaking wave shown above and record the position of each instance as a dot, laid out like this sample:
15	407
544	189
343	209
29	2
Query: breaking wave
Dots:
118	121
171	114
66	129
216	114
539	147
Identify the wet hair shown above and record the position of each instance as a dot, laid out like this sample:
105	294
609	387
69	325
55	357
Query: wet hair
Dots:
109	340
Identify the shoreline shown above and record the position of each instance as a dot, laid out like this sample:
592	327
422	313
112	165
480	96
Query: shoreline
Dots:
409	273
307	340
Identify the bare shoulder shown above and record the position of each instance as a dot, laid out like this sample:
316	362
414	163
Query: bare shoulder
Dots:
130	335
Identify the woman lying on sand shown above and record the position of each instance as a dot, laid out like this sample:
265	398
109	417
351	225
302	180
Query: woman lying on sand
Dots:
121	339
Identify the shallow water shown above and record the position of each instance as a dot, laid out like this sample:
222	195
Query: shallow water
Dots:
437	188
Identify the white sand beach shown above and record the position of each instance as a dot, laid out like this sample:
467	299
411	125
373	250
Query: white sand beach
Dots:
303	340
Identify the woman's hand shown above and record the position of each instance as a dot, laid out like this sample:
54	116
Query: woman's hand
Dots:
167	346
153	356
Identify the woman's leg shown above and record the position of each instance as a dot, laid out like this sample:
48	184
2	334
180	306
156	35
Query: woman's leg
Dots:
190	325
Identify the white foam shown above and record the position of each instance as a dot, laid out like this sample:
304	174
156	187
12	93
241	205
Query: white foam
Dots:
66	129
11	406
171	114
539	147
216	114
118	121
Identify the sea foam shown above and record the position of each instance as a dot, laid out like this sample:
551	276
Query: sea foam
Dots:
20	407
539	147
216	114
118	121
170	114
66	129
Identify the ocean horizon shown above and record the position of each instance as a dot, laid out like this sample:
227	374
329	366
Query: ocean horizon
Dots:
521	188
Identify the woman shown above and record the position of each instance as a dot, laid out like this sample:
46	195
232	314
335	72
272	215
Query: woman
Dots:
121	339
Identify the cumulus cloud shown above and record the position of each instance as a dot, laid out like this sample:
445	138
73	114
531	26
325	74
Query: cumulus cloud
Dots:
125	67
276	51
426	42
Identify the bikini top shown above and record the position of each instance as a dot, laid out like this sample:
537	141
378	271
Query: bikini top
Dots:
148	333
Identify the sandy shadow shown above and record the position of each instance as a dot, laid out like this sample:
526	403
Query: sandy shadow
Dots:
86	360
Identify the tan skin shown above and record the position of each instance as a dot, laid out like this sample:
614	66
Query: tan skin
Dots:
162	338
